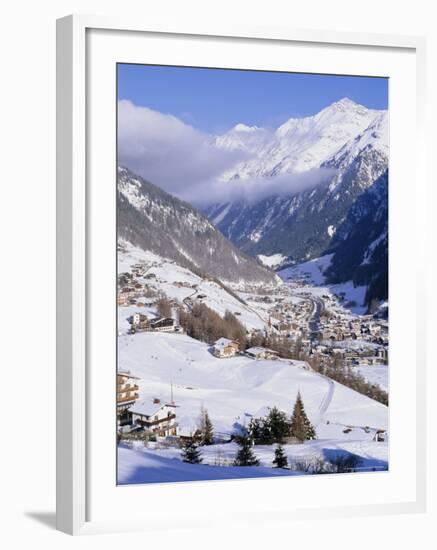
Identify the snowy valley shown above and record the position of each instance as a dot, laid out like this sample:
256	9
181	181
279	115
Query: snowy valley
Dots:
171	367
252	320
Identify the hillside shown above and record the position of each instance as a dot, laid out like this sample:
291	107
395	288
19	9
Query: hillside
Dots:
234	390
153	220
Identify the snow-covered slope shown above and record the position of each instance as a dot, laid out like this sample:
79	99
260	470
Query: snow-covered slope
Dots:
299	144
153	220
141	465
180	283
361	243
233	390
348	141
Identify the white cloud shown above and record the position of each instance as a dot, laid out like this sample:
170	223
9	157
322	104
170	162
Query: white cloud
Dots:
168	152
185	162
252	190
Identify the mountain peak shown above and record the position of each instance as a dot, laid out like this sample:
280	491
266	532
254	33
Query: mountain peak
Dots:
346	105
345	102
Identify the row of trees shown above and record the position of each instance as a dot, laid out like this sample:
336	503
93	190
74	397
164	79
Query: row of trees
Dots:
337	464
276	427
277	343
335	369
244	457
202	323
163	306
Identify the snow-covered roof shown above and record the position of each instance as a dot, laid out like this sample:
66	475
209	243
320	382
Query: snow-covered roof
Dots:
256	350
148	408
223	342
160	319
126	373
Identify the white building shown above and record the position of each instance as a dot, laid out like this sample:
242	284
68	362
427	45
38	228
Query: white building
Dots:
158	418
225	348
262	353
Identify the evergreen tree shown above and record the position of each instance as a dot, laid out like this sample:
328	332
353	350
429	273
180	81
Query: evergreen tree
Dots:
278	424
245	456
255	429
190	452
280	460
206	429
301	428
310	430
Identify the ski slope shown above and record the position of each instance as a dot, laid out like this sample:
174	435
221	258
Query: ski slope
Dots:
235	389
168	276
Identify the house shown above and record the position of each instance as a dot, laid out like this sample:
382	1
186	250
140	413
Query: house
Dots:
380	436
127	393
262	353
122	299
156	418
139	322
163	324
225	348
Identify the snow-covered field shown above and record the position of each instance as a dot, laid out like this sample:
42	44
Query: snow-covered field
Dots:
143	465
237	388
313	272
274	260
233	390
375	374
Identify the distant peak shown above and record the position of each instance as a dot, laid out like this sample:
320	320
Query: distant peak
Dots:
346	104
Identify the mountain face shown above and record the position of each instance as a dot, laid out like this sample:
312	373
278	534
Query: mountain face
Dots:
361	243
153	220
345	141
300	144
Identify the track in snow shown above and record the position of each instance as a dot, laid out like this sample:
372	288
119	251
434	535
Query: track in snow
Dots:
326	401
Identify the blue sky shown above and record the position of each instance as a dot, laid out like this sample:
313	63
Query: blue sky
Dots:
214	100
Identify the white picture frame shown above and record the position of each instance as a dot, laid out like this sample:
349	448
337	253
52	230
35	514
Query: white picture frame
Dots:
74	393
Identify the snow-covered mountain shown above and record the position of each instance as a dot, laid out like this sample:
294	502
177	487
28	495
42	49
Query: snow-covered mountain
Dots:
347	141
298	145
153	220
361	243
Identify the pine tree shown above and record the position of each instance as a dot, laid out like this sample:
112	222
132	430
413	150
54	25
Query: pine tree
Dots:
310	430
278	424
205	433
190	452
301	428
255	429
280	460
245	456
